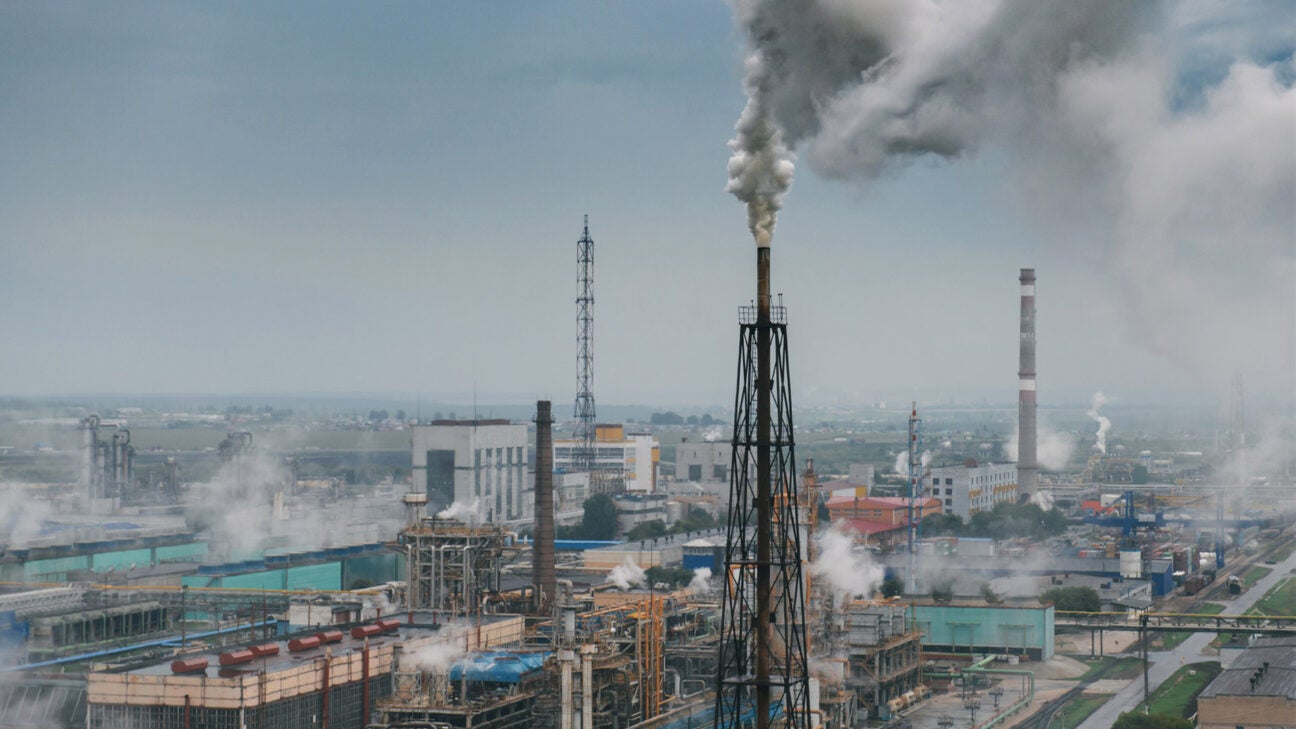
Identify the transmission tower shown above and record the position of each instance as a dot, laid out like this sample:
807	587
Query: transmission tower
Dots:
585	353
763	674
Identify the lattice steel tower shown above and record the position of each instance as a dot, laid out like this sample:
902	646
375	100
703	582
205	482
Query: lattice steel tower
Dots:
584	414
763	672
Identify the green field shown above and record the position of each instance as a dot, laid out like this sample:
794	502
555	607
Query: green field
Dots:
1077	710
1169	641
1283	552
1254	574
1178	695
1280	600
1125	667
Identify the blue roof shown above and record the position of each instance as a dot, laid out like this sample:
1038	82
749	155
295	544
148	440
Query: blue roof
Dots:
497	666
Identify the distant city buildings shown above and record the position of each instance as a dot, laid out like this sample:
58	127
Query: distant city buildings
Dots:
623	462
972	486
480	464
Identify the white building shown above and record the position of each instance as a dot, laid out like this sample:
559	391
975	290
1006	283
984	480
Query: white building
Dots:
623	462
970	486
704	462
482	462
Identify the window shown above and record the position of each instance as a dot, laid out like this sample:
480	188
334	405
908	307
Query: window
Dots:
720	472
949	492
949	502
949	482
935	482
695	472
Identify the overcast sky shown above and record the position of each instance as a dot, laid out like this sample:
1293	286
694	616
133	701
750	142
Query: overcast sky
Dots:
386	197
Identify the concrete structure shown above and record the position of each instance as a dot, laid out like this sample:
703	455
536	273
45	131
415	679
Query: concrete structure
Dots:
1027	464
481	462
635	509
622	461
975	627
331	684
1257	691
972	486
705	462
883	653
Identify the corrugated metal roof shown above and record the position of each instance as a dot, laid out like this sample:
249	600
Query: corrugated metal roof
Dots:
1279	679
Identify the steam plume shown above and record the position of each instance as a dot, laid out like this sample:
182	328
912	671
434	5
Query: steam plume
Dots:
701	582
848	572
626	575
459	510
1053	448
1104	424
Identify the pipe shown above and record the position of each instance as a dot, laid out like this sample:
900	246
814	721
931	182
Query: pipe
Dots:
364	674
324	705
565	658
167	642
186	711
1027	464
587	686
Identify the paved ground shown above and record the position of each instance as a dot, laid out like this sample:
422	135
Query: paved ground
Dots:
1192	650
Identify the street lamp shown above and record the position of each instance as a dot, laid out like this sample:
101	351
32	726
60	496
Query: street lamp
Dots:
972	703
995	693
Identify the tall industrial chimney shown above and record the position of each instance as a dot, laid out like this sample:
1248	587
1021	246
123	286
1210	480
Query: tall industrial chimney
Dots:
542	552
1027	465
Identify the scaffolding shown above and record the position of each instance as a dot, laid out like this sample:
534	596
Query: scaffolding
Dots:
453	567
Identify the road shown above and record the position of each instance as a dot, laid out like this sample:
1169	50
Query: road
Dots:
1165	663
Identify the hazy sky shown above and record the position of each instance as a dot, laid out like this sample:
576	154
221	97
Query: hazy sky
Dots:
345	197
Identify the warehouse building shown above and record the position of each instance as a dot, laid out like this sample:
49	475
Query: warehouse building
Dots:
1013	627
1257	691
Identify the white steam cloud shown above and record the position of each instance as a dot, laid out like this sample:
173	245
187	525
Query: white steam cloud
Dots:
901	465
1104	424
439	656
848	572
627	575
460	511
1053	448
701	583
1150	128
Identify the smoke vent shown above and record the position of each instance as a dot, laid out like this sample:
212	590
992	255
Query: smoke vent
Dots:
542	553
1027	465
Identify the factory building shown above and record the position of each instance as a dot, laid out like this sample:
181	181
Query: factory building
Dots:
1257	690
889	510
883	653
705	462
971	486
481	462
328	679
1021	628
622	461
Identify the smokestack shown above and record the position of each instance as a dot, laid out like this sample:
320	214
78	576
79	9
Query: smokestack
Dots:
542	552
1027	465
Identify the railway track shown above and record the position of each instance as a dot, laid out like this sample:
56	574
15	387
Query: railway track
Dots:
1042	718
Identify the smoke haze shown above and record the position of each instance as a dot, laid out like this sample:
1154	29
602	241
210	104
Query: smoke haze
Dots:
1154	139
1104	423
849	572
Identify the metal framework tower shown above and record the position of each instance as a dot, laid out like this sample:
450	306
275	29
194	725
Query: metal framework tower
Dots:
915	493
762	665
585	417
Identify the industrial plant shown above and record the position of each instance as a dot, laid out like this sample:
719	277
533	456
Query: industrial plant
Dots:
464	598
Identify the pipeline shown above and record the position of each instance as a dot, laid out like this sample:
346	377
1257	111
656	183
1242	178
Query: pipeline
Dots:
979	668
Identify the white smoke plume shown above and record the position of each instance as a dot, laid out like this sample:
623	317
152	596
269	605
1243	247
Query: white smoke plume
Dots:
1053	448
701	583
460	511
627	575
1104	424
848	572
901	465
439	656
22	514
1160	131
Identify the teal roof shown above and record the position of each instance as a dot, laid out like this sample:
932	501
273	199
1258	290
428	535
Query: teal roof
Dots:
497	666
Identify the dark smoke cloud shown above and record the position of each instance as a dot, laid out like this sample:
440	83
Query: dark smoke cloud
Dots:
1155	139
